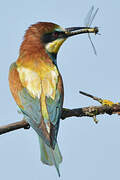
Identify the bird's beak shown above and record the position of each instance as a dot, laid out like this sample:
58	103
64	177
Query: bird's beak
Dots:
71	31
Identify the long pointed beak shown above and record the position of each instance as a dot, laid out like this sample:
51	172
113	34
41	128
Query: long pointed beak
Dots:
71	31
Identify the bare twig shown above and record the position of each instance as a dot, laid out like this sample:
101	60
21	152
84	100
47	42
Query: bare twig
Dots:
91	96
14	126
91	111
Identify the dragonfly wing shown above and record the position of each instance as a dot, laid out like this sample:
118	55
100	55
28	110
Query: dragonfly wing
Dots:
88	17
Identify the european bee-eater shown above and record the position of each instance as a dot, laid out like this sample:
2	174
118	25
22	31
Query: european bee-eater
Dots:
36	84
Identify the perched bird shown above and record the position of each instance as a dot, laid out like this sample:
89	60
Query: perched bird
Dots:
36	84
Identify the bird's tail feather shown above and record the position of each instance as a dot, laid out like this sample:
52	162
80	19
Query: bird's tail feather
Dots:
50	156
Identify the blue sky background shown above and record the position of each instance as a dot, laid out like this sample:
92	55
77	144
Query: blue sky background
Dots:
89	151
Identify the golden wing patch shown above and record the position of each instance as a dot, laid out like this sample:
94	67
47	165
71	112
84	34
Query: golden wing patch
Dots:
39	83
31	81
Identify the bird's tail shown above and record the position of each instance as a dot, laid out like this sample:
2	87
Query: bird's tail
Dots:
50	156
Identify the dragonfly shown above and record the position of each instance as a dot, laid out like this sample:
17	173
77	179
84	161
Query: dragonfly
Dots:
88	22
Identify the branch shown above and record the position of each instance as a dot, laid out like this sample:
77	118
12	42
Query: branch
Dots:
91	111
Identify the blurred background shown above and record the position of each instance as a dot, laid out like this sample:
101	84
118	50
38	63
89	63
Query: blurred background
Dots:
89	151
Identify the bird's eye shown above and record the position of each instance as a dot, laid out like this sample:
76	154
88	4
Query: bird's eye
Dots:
55	34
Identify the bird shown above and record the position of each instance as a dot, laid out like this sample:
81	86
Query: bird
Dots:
37	86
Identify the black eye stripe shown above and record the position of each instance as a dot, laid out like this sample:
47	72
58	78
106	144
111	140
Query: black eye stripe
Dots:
58	33
49	37
55	34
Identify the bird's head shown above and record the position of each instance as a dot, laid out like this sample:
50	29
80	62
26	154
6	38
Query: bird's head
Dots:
50	36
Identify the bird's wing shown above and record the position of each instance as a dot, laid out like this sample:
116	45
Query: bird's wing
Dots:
40	97
15	84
